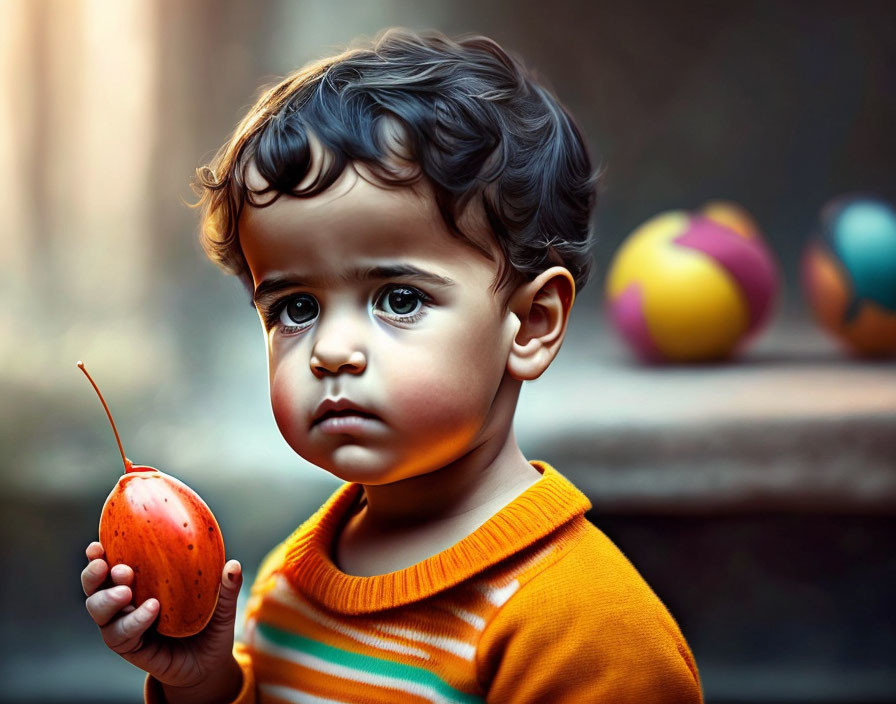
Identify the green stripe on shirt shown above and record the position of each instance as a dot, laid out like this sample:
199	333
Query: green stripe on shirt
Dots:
365	663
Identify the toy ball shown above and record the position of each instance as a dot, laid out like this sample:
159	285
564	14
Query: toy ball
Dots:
690	287
849	274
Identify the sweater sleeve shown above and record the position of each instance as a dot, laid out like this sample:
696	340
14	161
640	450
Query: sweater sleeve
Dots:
586	629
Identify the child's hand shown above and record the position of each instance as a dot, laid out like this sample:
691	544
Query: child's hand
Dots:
195	662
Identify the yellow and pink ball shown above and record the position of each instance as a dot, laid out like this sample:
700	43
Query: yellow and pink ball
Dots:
690	287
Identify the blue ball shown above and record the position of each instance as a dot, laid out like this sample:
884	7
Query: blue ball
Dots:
861	233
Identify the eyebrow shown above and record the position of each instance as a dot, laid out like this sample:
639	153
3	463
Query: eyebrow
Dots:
271	285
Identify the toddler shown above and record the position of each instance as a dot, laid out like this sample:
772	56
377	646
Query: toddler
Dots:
412	221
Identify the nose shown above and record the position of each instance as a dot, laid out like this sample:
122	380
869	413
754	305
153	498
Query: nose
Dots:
337	350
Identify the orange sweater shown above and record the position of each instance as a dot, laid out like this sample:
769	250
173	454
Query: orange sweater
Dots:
535	606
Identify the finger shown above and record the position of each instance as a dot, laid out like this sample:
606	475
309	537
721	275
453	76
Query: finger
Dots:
122	574
103	605
231	581
95	550
124	634
93	575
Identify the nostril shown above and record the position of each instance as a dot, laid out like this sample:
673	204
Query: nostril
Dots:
354	364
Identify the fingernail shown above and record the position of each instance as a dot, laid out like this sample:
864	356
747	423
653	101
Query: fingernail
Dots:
231	576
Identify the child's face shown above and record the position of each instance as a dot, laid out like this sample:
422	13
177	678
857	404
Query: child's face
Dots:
425	353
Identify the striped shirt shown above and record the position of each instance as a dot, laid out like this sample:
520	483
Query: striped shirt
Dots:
536	605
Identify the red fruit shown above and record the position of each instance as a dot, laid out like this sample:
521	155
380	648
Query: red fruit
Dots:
166	533
160	527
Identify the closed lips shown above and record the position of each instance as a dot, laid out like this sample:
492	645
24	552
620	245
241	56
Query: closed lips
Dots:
346	412
336	407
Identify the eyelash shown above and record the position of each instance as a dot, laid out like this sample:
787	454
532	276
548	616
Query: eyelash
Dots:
272	314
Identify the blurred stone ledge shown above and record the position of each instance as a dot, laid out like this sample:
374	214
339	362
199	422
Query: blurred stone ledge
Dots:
792	426
830	465
823	464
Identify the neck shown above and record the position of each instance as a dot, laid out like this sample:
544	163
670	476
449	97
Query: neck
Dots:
488	476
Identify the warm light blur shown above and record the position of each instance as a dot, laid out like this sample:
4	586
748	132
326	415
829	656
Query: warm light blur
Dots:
78	128
17	165
105	96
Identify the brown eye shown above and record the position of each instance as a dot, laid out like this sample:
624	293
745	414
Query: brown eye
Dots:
401	300
298	310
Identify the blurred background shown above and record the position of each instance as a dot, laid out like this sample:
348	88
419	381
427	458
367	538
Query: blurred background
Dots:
757	498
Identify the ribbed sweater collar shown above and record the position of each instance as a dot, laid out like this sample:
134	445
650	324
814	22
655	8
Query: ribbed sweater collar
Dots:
543	507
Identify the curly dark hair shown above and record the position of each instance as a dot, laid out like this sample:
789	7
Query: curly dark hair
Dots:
474	121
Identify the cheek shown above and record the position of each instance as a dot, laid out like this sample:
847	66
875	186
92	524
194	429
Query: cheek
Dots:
280	402
286	399
431	401
451	381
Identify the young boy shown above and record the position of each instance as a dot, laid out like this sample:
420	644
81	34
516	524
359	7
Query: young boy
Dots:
412	222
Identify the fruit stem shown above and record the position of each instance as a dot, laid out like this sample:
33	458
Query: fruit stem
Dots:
125	460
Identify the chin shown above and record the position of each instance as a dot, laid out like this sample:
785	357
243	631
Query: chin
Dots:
354	463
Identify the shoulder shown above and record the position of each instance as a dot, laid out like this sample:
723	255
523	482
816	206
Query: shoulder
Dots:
588	569
591	607
597	570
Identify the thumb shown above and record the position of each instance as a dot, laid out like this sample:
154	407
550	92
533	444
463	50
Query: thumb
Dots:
231	581
217	637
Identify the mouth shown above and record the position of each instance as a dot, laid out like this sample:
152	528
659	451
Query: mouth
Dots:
344	413
339	408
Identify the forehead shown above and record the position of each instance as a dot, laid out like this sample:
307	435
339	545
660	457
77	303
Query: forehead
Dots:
356	220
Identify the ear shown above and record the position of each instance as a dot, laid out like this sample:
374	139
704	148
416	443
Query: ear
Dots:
542	307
